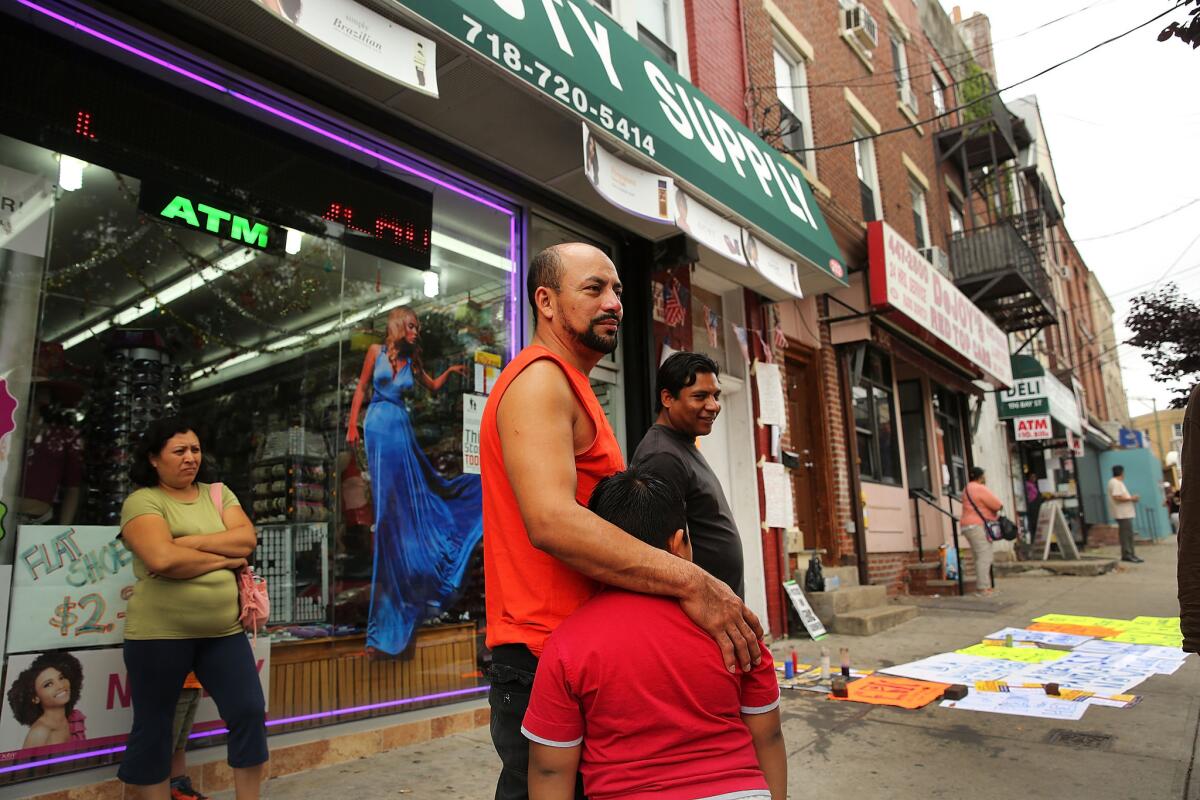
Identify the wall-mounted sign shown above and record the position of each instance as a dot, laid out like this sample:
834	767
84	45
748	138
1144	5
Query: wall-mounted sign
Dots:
70	587
25	203
708	228
370	39
902	279
472	418
1031	429
644	194
579	57
221	219
1034	391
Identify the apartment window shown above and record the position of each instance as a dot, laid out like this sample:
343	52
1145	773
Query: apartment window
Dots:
875	421
938	96
791	80
900	70
654	29
1177	430
956	215
604	4
920	214
868	177
947	413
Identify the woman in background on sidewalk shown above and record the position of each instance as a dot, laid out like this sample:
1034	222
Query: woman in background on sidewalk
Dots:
980	506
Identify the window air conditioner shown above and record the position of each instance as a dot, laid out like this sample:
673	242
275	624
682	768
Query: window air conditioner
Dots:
858	22
938	257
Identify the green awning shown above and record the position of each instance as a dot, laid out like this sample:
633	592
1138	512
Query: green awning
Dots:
579	57
1035	391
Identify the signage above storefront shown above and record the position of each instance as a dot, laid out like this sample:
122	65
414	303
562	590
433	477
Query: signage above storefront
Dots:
903	280
210	216
1034	391
578	56
361	35
1033	428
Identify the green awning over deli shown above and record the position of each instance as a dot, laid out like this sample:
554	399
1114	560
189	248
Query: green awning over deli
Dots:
1035	391
579	57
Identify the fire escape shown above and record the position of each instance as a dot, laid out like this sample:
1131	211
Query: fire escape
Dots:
999	257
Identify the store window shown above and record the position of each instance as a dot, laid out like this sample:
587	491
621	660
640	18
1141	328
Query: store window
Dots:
332	357
948	416
916	446
875	421
791	85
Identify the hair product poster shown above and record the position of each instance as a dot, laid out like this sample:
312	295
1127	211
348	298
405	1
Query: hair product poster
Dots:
70	587
63	701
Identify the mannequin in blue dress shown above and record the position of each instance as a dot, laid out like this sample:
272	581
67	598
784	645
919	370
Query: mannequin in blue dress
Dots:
426	525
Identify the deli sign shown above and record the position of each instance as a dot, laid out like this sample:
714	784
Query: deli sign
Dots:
1031	429
903	280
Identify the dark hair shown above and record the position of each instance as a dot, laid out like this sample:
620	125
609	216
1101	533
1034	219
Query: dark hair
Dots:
153	441
641	504
976	473
1118	471
546	269
679	371
22	692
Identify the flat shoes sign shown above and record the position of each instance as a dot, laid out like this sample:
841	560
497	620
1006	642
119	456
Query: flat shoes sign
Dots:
579	57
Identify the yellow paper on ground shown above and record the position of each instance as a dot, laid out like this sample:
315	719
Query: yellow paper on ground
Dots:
1160	624
1023	654
1142	636
1094	622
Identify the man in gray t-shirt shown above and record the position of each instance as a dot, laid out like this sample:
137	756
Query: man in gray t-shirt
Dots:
689	398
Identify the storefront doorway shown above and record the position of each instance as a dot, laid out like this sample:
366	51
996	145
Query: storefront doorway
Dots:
810	478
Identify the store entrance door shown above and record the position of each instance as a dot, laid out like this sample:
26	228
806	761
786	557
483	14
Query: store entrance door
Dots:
810	479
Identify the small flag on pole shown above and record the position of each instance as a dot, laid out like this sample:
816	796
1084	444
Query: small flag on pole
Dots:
673	311
743	342
766	348
711	321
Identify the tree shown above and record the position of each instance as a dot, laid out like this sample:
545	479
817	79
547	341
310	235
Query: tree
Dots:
1166	326
1189	32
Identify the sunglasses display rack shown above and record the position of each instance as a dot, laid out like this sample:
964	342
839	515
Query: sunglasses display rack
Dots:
295	561
135	385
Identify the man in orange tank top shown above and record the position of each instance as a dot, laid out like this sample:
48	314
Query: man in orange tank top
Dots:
544	444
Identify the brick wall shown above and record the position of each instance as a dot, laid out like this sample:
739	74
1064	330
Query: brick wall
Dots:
714	29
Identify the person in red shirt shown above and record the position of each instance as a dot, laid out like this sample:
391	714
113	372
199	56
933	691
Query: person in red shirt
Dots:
636	697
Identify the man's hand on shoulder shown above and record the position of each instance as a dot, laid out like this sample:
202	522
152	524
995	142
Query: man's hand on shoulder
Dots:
717	610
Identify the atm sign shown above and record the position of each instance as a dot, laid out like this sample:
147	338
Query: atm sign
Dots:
1031	429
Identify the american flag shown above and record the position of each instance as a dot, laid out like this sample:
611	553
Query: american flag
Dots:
673	312
780	338
711	321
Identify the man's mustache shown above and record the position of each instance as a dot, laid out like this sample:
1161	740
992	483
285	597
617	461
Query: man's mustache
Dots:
606	318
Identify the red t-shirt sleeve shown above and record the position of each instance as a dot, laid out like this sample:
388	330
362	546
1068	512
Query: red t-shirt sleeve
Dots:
554	717
760	686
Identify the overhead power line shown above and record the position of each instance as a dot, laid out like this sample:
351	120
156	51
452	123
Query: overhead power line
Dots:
988	95
1140	225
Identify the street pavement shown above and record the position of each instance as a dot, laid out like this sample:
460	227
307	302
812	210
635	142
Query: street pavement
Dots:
848	750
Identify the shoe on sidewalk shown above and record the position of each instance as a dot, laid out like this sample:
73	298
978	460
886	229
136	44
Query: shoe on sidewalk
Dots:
181	789
1134	560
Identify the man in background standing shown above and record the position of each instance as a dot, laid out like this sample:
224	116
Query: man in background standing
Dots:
1124	508
689	400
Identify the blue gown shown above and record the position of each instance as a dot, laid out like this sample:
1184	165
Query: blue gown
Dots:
426	525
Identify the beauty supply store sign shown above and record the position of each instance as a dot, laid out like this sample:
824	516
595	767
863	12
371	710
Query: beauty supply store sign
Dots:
579	57
903	280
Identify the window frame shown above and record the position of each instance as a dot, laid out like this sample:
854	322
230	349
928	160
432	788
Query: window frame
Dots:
874	388
625	13
866	162
953	445
920	220
797	90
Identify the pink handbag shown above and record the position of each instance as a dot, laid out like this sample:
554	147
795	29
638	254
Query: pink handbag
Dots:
252	588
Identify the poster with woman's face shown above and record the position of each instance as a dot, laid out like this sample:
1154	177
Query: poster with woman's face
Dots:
64	701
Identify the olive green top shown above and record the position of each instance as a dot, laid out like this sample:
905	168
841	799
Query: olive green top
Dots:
203	607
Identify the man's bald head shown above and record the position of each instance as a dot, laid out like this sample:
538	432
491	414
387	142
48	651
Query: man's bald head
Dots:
547	267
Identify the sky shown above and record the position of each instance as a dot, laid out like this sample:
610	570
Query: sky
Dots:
1120	125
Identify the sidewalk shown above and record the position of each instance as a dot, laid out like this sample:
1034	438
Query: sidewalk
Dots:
846	750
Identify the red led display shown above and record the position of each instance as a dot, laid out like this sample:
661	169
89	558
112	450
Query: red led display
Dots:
83	125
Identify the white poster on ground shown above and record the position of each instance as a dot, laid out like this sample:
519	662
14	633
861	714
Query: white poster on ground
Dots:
1032	703
955	668
363	36
69	701
70	586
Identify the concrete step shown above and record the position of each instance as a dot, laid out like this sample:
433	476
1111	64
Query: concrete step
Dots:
942	587
848	575
829	605
869	621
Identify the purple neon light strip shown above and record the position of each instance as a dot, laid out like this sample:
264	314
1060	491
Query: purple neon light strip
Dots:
270	723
